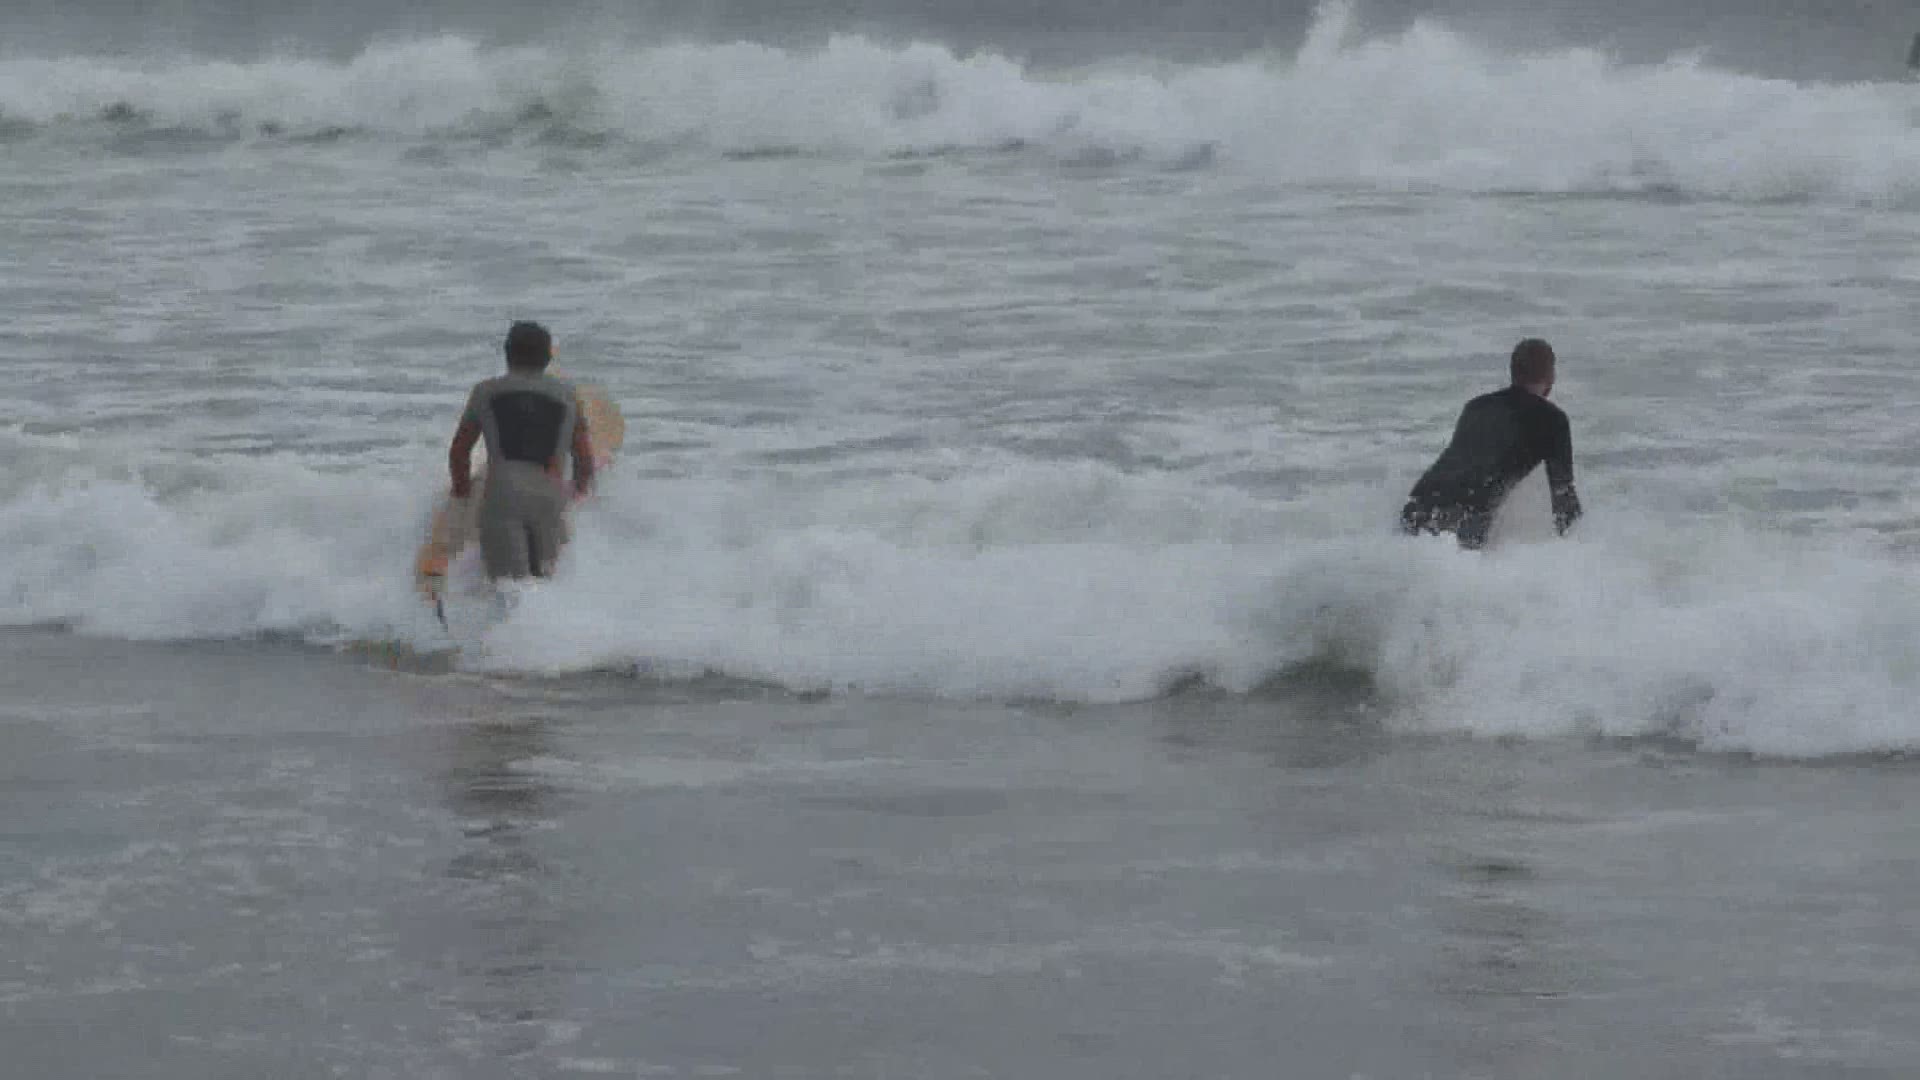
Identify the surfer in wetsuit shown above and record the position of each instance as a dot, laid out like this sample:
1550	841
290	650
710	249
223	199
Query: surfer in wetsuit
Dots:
529	419
1499	439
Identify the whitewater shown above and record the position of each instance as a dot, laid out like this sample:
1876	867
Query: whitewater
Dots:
957	379
1428	108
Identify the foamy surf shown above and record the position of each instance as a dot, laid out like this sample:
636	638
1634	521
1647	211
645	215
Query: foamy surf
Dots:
1426	108
173	552
1072	584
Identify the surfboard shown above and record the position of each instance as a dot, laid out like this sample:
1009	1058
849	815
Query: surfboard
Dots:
456	521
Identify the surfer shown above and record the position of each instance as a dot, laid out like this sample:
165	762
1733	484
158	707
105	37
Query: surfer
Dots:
1499	438
529	419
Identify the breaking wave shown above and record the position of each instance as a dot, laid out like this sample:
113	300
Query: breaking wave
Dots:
1428	107
1023	581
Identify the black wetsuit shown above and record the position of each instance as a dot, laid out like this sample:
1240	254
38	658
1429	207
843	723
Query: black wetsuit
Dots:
1499	439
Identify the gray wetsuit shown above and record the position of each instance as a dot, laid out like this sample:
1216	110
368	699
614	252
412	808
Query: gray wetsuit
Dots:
528	419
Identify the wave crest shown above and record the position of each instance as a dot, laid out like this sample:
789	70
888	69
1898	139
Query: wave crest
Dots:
1064	583
1425	108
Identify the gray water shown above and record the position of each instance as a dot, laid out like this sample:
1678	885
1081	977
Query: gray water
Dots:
306	866
990	653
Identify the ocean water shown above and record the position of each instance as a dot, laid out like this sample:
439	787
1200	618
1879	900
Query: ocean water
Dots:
991	654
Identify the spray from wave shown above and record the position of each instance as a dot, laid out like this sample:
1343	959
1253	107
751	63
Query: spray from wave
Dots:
1026	581
1427	107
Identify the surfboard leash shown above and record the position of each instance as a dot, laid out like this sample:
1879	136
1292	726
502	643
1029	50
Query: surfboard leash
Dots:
436	584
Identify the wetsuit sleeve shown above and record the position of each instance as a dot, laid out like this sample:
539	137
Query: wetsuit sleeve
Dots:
460	454
1566	501
460	457
582	456
476	403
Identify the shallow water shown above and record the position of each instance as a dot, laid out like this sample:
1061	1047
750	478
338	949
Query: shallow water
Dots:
233	859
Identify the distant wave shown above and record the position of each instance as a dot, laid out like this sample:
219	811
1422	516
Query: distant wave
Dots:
1424	108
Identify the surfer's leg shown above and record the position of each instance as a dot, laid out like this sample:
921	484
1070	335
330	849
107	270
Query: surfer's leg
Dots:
503	543
546	533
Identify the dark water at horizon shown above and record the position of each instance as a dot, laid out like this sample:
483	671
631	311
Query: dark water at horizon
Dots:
1797	38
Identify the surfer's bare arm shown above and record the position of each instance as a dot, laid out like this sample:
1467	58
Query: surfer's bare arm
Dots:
582	458
1566	501
460	457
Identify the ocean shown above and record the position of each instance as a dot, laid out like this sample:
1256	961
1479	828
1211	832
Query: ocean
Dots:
991	654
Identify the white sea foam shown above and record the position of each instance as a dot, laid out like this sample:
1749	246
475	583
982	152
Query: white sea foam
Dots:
1426	107
1072	583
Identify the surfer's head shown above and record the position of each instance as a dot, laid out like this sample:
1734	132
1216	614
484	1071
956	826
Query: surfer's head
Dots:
529	346
1532	366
